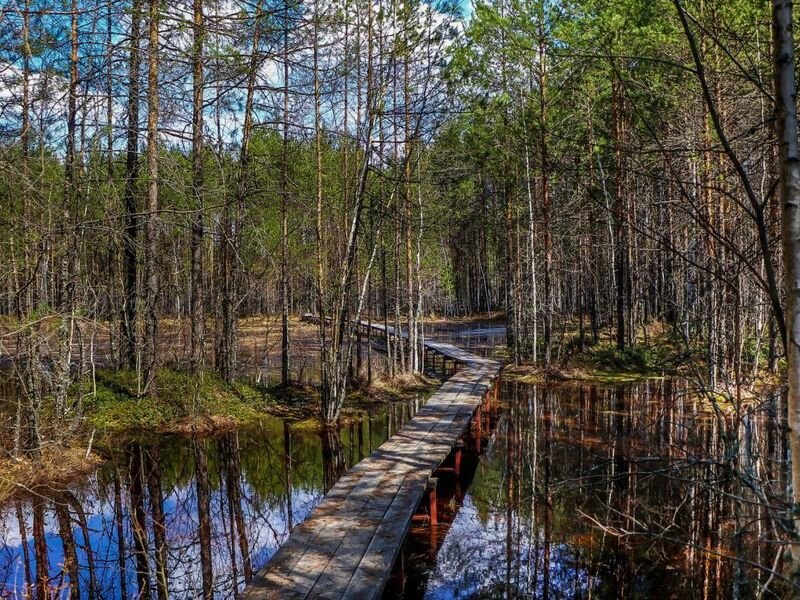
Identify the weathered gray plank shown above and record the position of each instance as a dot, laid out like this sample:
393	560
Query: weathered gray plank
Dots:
370	575
347	546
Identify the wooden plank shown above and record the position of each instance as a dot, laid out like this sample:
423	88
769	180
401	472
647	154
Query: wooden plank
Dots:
336	576
347	546
370	578
405	452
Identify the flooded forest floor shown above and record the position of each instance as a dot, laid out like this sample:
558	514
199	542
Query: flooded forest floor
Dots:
610	474
112	413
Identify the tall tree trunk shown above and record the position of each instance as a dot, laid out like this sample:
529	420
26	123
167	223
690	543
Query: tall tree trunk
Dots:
66	300
532	310
68	252
343	322
285	205
231	242
545	166
225	349
408	213
197	317
620	246
110	92
789	155
512	311
28	436
151	229
25	299
128	321
320	254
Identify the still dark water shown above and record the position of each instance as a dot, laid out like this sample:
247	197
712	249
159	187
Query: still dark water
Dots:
576	492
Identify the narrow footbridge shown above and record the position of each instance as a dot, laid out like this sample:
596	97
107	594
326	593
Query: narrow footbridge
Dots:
348	545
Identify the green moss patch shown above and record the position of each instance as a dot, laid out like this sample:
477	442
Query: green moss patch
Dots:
180	397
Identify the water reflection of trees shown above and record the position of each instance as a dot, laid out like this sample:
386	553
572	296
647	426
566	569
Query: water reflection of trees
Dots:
178	518
180	524
333	464
622	491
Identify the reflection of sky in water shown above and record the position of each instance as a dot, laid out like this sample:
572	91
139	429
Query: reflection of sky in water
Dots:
592	436
605	460
255	459
493	551
266	529
473	560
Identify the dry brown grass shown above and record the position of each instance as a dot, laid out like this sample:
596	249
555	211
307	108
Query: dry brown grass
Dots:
56	468
383	390
259	338
300	403
201	426
490	317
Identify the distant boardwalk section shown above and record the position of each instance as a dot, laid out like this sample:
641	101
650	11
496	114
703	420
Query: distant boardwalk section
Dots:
347	546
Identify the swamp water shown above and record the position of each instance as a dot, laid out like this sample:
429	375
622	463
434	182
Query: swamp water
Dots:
577	491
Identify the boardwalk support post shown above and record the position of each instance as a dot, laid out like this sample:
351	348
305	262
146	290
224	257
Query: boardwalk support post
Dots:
478	423
430	489
457	457
457	453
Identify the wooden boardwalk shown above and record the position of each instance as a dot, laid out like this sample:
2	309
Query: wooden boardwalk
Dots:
348	545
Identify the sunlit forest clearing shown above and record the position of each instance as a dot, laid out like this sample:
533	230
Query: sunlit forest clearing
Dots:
249	249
